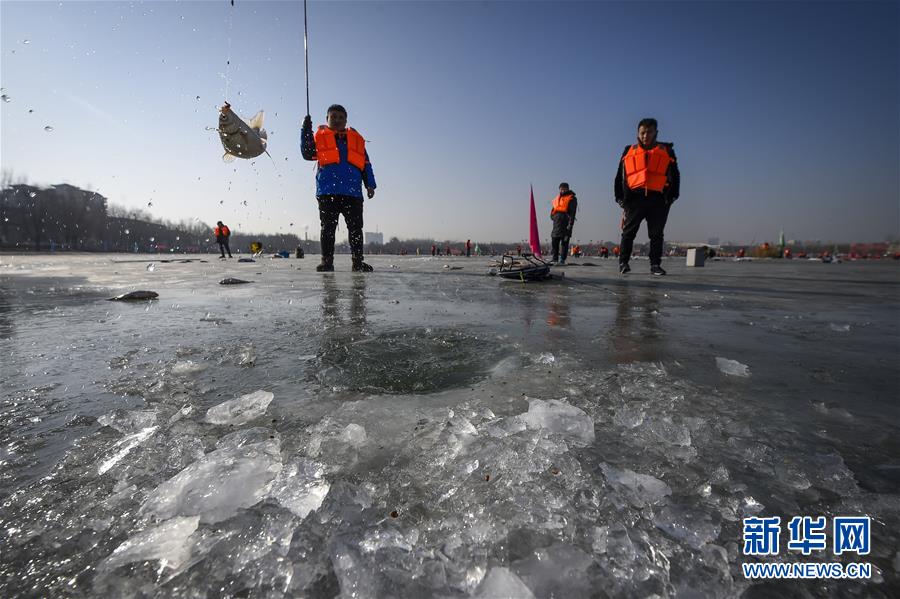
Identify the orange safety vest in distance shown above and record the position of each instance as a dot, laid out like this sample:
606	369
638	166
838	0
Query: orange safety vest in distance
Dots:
561	203
327	150
223	231
647	168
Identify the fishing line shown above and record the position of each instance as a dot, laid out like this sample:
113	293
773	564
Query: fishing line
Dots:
228	59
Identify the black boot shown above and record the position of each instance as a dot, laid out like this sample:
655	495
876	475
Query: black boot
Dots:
327	264
360	266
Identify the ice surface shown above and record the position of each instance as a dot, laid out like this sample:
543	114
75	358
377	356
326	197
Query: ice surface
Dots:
236	475
422	448
732	367
560	417
166	542
240	410
500	583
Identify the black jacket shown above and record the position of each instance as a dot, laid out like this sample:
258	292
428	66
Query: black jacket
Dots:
563	221
670	193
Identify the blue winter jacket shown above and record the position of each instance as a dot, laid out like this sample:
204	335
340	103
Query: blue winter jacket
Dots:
341	178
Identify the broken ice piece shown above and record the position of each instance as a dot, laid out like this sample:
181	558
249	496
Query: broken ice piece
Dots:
732	367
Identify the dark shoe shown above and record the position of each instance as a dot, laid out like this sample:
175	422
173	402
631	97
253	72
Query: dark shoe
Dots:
360	266
657	270
624	269
327	264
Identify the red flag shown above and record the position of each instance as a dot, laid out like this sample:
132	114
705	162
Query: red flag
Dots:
534	238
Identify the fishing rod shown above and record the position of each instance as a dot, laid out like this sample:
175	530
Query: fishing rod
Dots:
306	53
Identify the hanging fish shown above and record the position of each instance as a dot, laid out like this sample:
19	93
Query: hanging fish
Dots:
240	139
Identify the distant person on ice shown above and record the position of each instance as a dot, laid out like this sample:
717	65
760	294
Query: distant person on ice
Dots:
343	170
563	215
222	233
647	184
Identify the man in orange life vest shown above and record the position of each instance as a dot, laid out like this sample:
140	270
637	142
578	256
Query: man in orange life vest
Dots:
563	214
222	233
343	169
647	183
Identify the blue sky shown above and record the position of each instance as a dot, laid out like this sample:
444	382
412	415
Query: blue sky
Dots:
783	114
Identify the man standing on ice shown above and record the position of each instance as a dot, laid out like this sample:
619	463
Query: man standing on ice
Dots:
647	184
563	215
343	169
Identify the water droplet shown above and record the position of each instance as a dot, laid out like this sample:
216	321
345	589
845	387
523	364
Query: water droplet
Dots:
26	41
31	194
149	204
151	267
221	202
5	98
48	128
177	238
153	239
6	219
198	97
30	110
292	224
127	232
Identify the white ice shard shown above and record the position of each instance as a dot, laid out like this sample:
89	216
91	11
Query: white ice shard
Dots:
125	445
241	410
236	475
188	367
560	417
300	487
640	490
500	583
353	434
693	526
128	422
732	367
166	542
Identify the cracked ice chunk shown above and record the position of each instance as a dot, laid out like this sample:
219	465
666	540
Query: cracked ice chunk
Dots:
694	527
559	417
557	571
500	583
353	434
732	367
236	475
166	542
640	490
126	444
300	487
241	410
128	422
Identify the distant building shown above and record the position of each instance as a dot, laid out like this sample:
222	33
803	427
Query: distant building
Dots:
374	238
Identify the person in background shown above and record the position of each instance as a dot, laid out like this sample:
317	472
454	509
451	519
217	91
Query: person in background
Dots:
222	233
563	215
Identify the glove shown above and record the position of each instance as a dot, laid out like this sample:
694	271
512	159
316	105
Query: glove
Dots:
307	122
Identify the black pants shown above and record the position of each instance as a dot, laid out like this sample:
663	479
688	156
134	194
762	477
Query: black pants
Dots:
331	207
653	209
557	241
223	245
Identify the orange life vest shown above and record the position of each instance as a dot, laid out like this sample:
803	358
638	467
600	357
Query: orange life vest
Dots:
327	150
561	203
647	168
223	230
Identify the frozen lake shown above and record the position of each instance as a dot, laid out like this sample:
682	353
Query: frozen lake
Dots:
427	430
